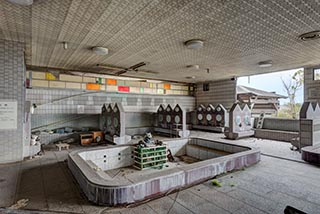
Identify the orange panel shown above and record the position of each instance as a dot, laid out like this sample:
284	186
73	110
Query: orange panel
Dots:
166	86
93	86
111	82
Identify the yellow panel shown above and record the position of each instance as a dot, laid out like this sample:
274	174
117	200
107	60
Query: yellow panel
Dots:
73	85
50	76
38	75
40	83
57	84
102	87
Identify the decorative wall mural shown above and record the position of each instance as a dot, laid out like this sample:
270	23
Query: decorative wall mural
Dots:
210	117
116	120
310	123
170	120
201	115
239	122
160	115
109	116
220	115
168	116
110	120
103	118
177	114
106	118
310	110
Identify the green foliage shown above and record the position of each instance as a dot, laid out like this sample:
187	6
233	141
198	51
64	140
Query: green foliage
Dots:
286	111
215	182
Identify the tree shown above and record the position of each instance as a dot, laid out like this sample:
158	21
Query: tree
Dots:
286	112
292	87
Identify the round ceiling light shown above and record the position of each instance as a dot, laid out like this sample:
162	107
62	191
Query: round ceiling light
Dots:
265	64
21	2
310	36
193	66
100	50
192	77
194	44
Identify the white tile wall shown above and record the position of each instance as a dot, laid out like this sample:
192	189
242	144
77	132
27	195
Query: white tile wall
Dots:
107	159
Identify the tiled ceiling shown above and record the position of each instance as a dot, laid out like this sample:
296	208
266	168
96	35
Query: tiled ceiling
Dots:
237	35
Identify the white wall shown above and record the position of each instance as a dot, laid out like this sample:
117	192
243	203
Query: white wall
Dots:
220	92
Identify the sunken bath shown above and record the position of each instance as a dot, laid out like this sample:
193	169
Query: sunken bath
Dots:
91	167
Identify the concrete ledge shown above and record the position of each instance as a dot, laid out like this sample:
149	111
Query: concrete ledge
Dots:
209	128
103	190
275	135
311	154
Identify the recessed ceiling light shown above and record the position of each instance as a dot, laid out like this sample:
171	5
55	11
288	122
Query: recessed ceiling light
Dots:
194	44
193	66
192	77
65	45
21	2
310	36
265	64
100	50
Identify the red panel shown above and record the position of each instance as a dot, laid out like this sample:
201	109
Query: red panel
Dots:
124	88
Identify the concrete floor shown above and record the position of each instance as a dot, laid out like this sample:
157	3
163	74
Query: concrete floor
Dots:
266	187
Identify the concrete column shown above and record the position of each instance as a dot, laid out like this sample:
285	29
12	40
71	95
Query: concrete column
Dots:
12	90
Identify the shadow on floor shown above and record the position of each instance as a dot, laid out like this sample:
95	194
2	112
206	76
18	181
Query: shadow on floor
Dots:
50	187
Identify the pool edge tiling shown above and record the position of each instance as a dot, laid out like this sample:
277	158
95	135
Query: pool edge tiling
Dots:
102	190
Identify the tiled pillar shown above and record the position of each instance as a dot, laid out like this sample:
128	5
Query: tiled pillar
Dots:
12	77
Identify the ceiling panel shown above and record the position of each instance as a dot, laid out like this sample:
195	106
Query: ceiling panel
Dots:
237	35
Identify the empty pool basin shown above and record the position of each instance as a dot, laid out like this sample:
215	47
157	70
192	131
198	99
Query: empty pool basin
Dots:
89	169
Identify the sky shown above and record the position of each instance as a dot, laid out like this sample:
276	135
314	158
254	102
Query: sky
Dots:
272	82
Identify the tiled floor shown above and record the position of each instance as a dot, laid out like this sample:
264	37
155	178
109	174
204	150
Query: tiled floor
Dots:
266	187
